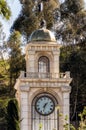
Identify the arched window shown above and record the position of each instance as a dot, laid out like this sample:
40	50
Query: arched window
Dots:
43	64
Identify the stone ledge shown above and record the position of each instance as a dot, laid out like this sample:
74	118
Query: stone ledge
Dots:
28	84
58	80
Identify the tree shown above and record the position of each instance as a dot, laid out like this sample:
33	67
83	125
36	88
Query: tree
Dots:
82	122
4	9
3	112
70	27
29	18
67	19
3	59
15	57
13	115
74	60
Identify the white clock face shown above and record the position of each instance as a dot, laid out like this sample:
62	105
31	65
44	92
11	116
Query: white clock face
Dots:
44	105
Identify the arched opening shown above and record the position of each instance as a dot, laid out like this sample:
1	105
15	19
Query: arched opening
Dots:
43	65
47	121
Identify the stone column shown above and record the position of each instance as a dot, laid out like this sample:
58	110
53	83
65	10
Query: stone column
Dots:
24	110
66	104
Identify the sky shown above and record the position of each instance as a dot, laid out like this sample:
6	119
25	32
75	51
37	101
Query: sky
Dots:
15	9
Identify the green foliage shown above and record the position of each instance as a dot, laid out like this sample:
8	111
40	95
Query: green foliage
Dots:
40	126
29	20
11	66
3	112
13	115
4	77
4	66
69	21
73	59
4	9
9	113
3	105
71	26
4	90
48	12
15	57
82	123
72	6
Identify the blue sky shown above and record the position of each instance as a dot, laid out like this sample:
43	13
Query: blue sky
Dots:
15	8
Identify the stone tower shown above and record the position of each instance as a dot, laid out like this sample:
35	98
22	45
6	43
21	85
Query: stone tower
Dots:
42	91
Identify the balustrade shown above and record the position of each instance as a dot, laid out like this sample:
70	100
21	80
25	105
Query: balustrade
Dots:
37	75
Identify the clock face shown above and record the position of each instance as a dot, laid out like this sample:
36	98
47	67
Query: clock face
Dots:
44	105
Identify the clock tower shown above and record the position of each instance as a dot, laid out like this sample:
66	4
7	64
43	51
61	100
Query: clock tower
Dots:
42	91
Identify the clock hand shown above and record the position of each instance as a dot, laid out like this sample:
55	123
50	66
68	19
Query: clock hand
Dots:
45	105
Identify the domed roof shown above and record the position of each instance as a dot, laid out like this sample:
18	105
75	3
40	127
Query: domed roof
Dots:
42	35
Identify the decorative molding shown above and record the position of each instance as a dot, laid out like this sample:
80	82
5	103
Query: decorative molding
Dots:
43	47
45	84
66	88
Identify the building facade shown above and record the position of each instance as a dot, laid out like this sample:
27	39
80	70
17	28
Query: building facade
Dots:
42	91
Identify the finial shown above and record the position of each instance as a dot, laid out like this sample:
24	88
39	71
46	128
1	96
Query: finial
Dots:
39	8
43	23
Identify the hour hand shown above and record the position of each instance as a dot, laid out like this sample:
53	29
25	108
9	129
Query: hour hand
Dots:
44	105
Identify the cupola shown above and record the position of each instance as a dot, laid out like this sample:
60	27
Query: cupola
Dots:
42	34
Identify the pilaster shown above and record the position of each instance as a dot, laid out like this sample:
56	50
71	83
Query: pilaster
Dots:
24	111
56	63
31	61
66	104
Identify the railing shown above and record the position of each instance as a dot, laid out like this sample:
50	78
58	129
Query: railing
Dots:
37	75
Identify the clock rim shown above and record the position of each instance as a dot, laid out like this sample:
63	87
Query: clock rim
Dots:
52	101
